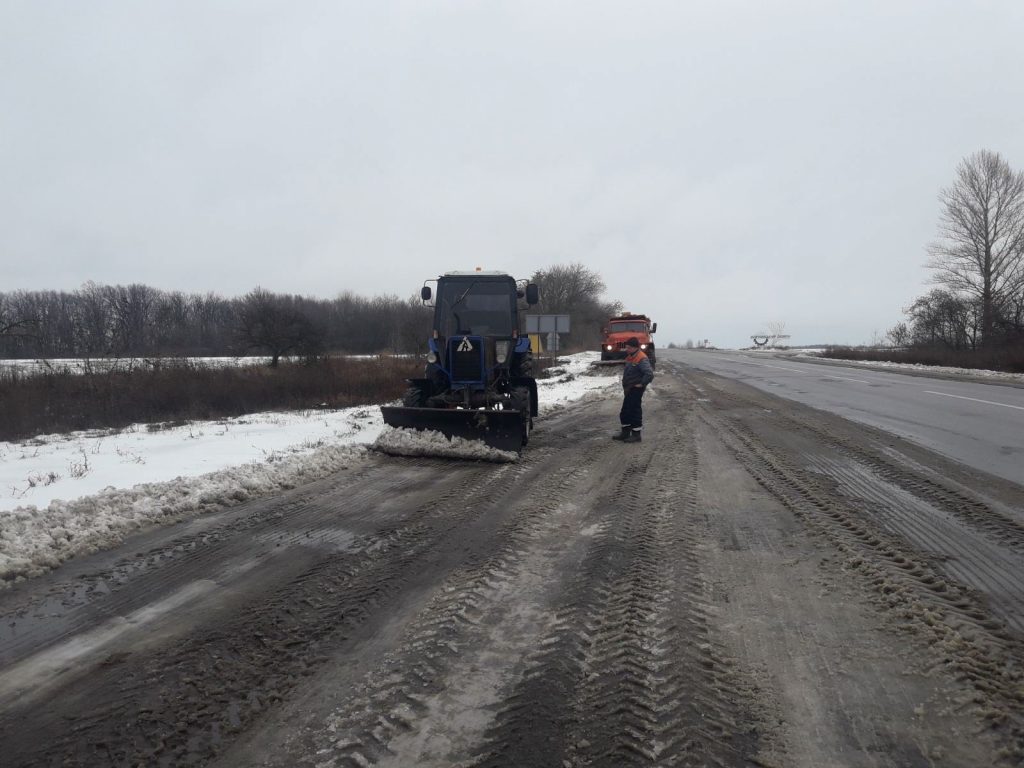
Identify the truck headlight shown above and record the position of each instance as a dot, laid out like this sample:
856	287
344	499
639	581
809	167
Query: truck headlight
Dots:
609	347
501	350
643	346
431	356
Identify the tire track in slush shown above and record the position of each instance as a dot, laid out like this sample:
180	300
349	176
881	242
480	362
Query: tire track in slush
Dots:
628	673
28	626
181	707
907	587
928	486
417	697
963	552
654	644
961	536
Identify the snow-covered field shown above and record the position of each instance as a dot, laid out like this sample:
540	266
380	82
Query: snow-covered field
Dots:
30	367
69	494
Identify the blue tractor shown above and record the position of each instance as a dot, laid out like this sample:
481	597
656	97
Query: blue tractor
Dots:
478	383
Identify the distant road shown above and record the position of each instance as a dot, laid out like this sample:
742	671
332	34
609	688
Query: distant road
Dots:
978	424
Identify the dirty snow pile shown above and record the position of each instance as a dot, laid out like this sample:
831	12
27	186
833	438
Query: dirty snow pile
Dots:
410	442
66	495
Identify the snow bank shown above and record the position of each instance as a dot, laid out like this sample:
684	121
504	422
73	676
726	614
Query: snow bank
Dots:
72	494
410	442
941	370
32	541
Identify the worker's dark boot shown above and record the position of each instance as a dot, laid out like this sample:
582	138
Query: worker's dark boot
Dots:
634	436
623	435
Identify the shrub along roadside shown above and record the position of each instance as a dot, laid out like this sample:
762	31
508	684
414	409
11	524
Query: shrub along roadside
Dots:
183	390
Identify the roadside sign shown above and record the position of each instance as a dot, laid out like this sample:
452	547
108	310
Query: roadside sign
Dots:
547	324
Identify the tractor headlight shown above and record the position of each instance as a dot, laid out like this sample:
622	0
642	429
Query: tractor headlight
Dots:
431	356
501	350
643	346
609	347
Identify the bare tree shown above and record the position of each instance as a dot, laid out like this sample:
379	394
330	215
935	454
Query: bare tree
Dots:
1013	316
268	322
93	325
413	325
980	250
215	322
944	319
564	288
898	335
576	290
15	327
132	310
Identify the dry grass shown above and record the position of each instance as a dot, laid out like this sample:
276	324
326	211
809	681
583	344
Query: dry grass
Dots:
63	401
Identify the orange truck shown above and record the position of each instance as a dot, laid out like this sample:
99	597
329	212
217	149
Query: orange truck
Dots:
623	327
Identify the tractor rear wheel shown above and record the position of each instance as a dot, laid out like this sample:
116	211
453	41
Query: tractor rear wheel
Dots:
522	365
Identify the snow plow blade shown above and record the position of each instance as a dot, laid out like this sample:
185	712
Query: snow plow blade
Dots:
501	430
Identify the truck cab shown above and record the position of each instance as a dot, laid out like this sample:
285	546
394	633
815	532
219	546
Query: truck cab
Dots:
623	327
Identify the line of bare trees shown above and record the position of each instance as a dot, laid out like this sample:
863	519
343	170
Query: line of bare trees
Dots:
140	321
137	320
978	263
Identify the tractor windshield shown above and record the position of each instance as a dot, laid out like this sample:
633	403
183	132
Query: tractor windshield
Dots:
477	307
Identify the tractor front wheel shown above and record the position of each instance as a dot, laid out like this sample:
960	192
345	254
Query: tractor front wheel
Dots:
520	397
415	397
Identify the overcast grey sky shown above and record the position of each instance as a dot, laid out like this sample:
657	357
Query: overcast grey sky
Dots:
722	165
